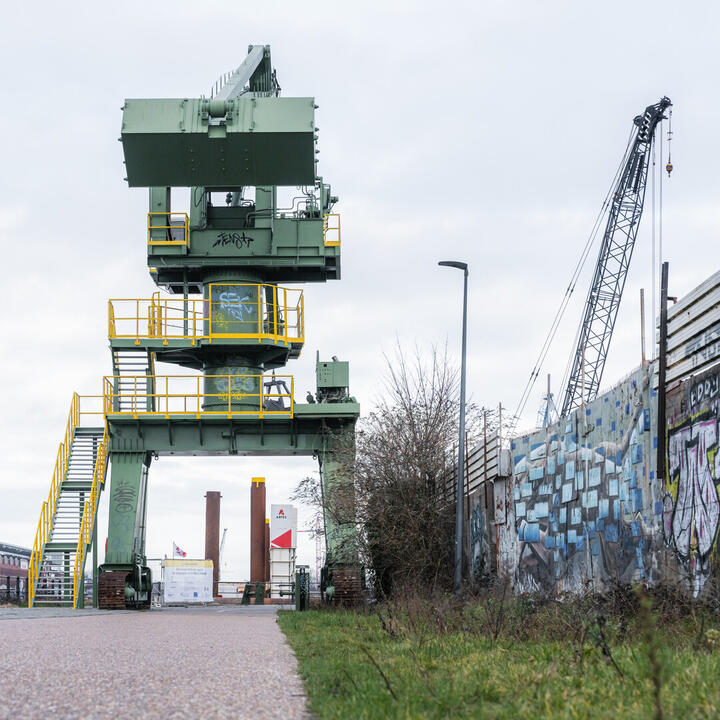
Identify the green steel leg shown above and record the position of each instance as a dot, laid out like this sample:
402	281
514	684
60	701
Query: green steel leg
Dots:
127	508
125	554
340	533
342	575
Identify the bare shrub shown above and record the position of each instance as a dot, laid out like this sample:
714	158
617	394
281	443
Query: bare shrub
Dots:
395	472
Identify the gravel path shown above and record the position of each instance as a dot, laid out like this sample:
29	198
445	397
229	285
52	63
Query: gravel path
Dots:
214	662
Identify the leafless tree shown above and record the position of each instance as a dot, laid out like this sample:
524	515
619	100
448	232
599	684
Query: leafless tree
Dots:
398	470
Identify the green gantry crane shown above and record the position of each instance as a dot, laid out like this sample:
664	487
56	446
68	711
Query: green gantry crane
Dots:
222	314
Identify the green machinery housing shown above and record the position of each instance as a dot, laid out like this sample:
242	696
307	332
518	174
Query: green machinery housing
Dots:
228	312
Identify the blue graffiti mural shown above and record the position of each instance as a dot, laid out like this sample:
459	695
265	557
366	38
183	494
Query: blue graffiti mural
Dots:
583	493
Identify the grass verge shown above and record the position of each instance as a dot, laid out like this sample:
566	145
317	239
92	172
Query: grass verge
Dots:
400	664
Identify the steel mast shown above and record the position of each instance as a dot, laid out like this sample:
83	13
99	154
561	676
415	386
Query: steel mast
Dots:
603	300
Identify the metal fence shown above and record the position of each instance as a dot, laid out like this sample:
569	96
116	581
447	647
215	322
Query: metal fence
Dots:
482	465
13	589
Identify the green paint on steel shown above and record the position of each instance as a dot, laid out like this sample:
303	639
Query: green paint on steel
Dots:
249	141
234	309
126	506
307	433
340	527
233	387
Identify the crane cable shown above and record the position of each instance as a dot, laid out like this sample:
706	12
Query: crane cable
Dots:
669	169
534	373
571	357
653	259
669	166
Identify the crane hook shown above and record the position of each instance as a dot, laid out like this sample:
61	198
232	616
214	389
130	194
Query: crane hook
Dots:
669	168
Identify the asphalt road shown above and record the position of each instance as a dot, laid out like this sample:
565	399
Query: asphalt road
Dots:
171	663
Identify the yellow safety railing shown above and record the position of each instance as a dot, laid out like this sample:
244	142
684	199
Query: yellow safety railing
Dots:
89	517
197	395
233	311
47	511
176	228
331	230
111	320
256	312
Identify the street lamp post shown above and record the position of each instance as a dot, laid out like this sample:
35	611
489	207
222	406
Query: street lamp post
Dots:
457	578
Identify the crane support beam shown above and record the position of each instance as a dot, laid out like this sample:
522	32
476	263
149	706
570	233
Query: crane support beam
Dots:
603	300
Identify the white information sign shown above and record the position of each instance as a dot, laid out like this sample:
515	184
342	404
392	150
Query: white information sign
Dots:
188	581
283	526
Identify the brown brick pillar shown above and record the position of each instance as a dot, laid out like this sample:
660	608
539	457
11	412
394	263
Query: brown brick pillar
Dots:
257	530
212	534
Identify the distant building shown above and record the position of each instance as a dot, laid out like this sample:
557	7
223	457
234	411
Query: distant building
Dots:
14	563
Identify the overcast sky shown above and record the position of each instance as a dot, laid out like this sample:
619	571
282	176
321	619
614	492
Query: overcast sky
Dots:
481	131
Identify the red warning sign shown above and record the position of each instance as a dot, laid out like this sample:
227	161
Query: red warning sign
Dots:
283	526
283	541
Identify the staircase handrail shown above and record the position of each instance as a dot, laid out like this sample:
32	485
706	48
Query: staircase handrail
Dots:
111	319
89	517
47	512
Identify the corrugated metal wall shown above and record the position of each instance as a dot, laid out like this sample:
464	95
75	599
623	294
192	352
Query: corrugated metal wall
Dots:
694	331
481	465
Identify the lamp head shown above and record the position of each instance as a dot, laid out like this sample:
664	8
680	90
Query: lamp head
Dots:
455	264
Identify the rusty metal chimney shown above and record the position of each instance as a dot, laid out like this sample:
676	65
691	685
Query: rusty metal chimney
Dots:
212	534
257	529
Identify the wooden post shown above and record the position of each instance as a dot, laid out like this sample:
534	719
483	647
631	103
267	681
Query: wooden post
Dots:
485	457
467	483
642	325
547	406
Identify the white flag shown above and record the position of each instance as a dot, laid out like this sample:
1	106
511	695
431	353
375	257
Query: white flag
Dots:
178	552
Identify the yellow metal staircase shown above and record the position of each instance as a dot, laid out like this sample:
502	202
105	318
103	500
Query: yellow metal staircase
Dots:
67	517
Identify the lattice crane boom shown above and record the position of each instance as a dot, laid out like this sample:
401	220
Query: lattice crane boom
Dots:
603	300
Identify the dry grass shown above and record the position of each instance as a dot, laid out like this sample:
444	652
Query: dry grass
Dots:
626	653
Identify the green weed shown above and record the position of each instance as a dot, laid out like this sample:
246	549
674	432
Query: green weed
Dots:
439	660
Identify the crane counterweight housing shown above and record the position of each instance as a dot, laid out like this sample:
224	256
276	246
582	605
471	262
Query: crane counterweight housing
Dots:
219	143
603	300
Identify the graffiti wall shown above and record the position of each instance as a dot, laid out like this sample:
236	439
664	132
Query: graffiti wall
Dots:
691	506
583	503
587	506
482	535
